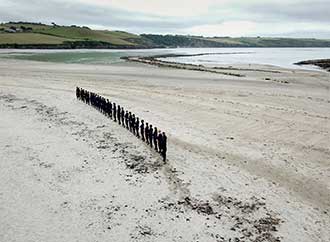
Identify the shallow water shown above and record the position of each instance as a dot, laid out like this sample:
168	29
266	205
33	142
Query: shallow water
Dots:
77	56
283	57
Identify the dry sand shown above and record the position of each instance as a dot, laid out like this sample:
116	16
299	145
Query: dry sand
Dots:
248	157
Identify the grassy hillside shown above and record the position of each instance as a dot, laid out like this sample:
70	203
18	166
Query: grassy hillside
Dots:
38	35
30	38
199	41
23	35
274	42
113	37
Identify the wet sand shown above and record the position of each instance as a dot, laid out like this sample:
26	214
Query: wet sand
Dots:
248	155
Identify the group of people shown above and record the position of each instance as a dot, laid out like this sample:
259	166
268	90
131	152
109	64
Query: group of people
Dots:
149	134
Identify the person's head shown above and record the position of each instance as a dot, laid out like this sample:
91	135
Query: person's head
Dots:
163	133
142	121
147	124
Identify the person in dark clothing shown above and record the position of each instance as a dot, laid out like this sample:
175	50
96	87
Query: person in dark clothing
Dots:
137	124
151	132
126	119
84	96
159	141
164	146
78	92
133	124
101	104
155	136
146	132
118	114
130	121
142	130
110	110
115	112
87	97
106	107
122	116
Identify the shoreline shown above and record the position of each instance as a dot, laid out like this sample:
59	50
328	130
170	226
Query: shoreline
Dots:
159	60
322	63
155	61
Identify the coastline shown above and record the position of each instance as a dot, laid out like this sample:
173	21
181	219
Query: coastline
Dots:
322	63
174	65
247	154
155	60
158	57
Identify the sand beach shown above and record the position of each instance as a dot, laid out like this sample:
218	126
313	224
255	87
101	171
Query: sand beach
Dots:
248	154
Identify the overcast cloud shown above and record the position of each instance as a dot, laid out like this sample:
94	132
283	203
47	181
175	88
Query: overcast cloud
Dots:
296	18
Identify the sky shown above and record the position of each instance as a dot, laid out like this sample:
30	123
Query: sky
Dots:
235	18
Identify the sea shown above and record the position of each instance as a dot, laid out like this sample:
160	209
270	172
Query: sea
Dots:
281	57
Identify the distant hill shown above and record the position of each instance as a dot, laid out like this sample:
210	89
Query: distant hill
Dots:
200	41
41	36
38	35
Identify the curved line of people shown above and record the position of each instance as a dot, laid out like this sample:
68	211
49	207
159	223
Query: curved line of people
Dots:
152	136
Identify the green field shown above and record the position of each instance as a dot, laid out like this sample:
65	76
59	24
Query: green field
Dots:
30	38
271	42
113	37
41	34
